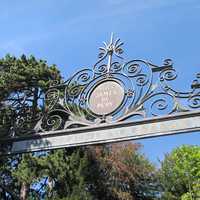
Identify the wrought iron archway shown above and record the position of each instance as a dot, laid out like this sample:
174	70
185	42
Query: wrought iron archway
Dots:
146	92
112	92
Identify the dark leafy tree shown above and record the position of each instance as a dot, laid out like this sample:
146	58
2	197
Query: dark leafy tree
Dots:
23	82
123	173
22	85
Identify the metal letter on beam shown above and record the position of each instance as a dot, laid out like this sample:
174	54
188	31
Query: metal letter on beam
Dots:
114	101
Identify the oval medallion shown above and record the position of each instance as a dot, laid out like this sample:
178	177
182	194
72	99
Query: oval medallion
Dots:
106	97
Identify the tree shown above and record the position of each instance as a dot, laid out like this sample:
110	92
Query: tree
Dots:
180	174
125	173
23	82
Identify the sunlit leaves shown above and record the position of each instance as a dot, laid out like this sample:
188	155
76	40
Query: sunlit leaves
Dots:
180	173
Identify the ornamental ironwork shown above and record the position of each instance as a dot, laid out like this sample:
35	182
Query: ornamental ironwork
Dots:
115	91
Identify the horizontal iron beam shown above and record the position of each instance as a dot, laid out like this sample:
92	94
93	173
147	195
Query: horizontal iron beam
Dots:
105	133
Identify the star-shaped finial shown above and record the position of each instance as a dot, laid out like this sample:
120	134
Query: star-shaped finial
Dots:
114	47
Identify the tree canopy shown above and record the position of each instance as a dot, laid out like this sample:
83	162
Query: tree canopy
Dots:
180	173
22	84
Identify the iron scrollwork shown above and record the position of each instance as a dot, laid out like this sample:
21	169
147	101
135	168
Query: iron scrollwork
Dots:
147	92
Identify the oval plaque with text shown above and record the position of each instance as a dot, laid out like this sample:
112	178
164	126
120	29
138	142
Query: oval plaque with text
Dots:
106	97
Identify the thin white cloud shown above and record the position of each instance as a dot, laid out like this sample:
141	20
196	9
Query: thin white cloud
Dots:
135	10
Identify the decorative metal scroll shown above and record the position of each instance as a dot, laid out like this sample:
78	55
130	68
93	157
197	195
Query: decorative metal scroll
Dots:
115	91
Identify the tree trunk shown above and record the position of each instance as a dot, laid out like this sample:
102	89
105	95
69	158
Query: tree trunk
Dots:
24	191
35	103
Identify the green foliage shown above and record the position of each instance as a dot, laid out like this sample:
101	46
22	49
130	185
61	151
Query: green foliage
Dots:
126	173
180	173
67	170
23	82
24	73
64	174
83	173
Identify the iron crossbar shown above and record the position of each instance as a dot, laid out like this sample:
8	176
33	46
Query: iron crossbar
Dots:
106	133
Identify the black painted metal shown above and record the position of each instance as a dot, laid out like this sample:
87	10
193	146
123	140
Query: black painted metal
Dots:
148	92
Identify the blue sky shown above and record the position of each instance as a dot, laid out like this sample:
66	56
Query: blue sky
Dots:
68	33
